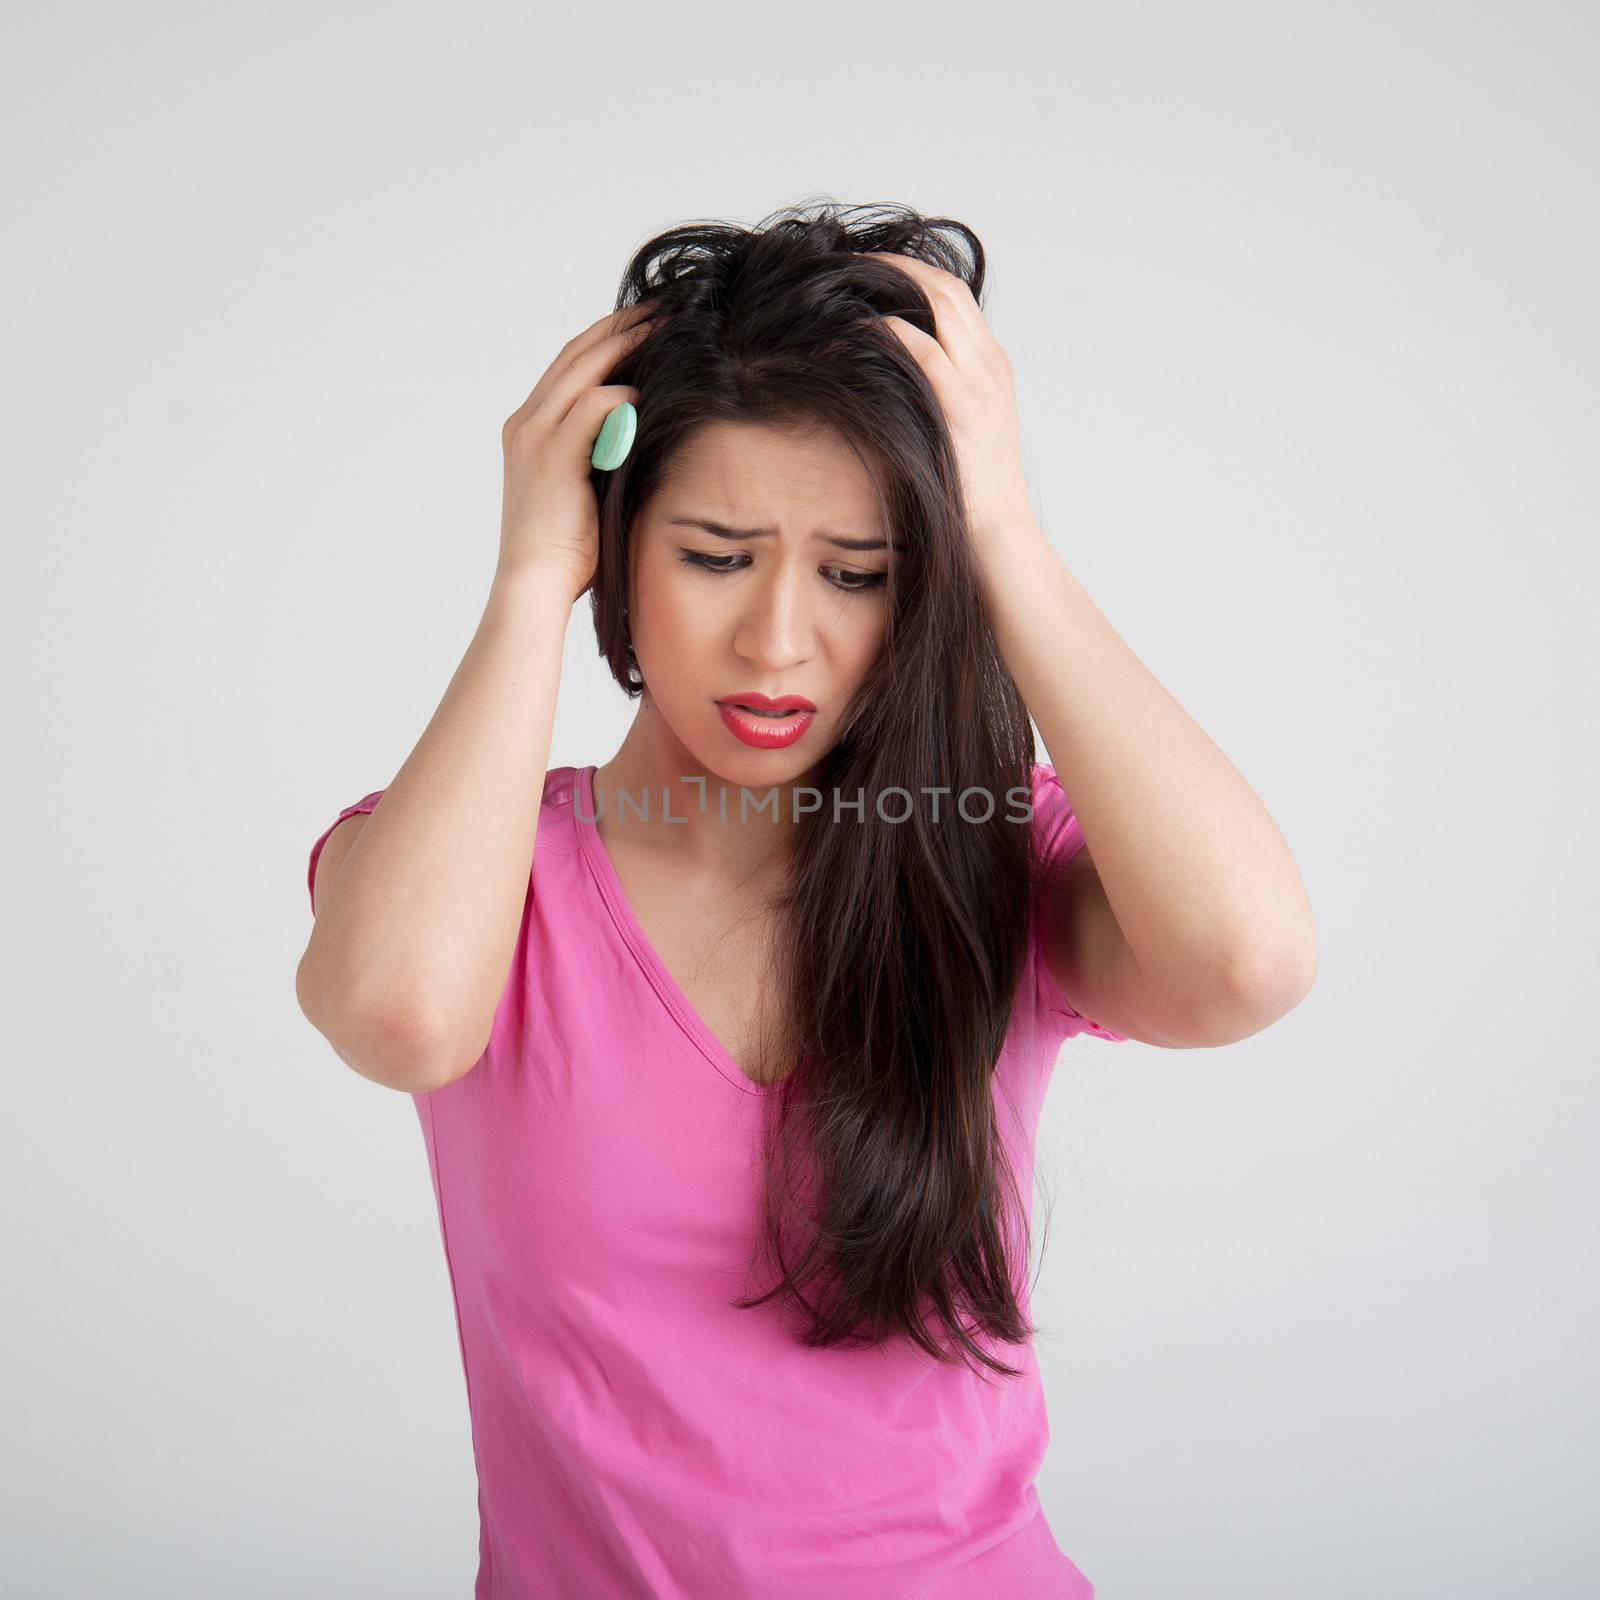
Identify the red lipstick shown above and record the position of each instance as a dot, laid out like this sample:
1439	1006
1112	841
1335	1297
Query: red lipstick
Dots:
788	716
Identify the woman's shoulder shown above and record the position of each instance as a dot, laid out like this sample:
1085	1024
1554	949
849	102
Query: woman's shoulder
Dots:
1053	824
1044	777
561	807
560	786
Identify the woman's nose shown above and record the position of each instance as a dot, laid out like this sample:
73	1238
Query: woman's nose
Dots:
778	630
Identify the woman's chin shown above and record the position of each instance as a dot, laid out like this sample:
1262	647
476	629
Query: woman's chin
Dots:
736	764
722	757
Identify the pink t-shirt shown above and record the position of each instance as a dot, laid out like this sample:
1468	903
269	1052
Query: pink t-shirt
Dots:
596	1174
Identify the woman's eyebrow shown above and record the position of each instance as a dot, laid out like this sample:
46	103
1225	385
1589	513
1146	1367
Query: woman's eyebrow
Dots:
723	531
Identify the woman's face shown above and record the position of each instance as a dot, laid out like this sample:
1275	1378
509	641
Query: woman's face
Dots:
789	599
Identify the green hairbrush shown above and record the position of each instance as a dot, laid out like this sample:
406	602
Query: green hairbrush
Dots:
615	439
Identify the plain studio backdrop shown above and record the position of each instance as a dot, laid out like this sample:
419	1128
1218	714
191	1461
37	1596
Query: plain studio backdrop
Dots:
1301	305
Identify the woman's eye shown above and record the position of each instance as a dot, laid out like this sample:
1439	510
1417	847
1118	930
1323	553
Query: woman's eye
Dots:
845	578
698	558
855	582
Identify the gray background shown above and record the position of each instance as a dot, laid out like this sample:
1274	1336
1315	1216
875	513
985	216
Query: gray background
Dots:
1295	296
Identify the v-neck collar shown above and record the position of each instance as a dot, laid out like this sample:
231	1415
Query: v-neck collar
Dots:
665	985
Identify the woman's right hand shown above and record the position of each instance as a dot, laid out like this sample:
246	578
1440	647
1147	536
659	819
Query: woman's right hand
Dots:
549	516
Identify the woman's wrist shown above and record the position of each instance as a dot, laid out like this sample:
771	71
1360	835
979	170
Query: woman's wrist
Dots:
537	583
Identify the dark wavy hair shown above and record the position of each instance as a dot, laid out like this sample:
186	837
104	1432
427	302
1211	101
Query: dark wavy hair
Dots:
887	1189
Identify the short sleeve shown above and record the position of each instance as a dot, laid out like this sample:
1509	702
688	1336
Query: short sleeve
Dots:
365	803
1057	837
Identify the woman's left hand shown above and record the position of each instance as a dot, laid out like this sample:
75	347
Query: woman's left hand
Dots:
971	375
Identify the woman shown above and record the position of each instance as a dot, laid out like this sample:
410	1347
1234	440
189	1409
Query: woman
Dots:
732	1165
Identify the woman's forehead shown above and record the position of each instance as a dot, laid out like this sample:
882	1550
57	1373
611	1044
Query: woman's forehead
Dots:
783	480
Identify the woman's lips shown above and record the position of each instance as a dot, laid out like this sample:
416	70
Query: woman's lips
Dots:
791	715
754	700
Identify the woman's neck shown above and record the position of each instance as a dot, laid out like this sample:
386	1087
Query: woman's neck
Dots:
676	805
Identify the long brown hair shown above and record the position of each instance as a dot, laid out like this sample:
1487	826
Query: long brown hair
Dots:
887	1188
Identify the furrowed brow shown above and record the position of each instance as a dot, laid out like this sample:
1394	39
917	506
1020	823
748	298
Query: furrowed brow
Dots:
722	530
